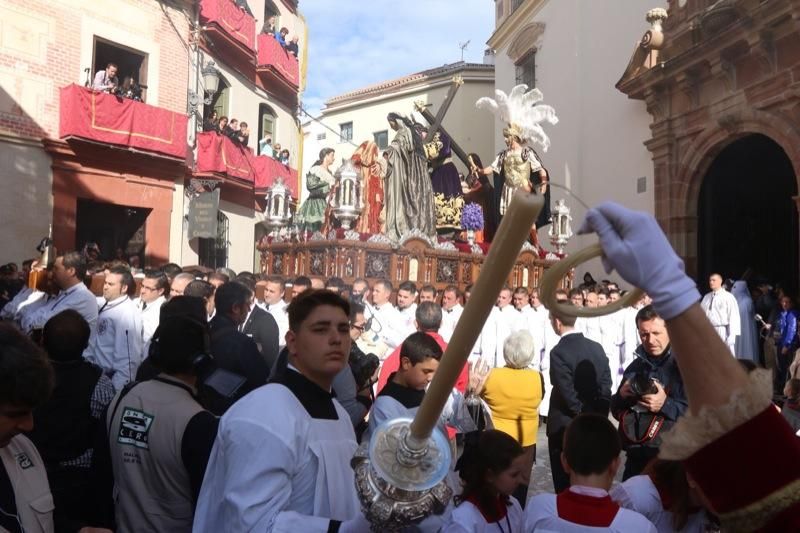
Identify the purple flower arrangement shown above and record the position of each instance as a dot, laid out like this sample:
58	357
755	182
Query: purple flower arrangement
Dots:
472	217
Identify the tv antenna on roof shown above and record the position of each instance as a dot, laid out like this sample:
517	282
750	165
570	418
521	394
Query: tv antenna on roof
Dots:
463	47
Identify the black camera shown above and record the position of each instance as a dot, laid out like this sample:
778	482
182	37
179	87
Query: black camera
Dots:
642	384
363	365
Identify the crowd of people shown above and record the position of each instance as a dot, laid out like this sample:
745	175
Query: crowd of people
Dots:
217	401
292	46
265	147
239	133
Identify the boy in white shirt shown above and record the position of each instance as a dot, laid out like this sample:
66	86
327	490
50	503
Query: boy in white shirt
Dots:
591	458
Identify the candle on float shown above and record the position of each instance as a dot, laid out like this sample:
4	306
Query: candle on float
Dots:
510	236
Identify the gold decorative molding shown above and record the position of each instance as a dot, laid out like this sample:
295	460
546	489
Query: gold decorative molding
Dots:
506	30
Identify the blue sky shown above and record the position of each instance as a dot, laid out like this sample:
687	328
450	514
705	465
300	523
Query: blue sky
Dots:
353	43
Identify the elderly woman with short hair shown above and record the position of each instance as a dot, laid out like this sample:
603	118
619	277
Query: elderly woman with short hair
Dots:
513	394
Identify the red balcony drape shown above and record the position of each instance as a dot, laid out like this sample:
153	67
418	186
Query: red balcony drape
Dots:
105	118
272	55
233	20
217	153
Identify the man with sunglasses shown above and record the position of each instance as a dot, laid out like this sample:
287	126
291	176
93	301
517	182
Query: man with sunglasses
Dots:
152	294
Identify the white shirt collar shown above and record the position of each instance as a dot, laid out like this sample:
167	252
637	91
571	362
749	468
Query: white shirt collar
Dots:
589	491
117	301
72	289
280	304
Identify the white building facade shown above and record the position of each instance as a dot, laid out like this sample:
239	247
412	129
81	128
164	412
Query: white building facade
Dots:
571	50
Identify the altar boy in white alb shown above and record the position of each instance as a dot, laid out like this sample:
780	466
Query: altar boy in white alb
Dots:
722	311
281	459
591	458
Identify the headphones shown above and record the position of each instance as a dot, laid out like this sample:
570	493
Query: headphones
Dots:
199	359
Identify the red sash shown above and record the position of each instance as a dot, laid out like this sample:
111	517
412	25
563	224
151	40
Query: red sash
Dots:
586	510
494	515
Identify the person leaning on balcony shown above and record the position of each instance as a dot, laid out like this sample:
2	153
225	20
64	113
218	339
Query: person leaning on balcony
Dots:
243	135
210	123
222	125
106	80
231	130
265	146
293	47
281	36
283	158
269	25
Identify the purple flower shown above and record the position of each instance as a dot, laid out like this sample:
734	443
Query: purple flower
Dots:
472	217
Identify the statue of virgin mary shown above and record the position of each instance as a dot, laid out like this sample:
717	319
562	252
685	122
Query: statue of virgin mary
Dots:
408	191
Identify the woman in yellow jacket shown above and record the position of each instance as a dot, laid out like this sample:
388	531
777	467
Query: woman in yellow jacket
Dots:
513	394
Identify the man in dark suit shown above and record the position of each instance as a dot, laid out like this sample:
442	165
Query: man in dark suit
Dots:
581	379
233	350
260	326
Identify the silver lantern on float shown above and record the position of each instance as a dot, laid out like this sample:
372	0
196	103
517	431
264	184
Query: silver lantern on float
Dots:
347	201
278	213
560	230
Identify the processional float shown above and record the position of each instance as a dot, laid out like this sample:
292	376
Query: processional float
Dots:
400	474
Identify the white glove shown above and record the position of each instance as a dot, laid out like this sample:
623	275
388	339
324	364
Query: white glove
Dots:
634	245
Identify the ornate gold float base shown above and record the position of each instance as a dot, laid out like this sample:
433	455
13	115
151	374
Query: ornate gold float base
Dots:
416	258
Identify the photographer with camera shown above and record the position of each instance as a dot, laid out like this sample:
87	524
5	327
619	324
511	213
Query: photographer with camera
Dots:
106	80
652	395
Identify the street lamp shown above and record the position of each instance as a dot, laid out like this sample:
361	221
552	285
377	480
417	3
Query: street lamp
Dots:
210	80
210	87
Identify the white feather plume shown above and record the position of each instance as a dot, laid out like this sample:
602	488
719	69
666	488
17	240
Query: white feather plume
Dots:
523	108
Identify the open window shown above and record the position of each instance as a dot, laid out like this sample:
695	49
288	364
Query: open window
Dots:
130	62
346	132
267	119
271	10
219	101
381	138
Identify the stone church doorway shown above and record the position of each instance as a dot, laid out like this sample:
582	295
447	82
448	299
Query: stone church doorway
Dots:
747	218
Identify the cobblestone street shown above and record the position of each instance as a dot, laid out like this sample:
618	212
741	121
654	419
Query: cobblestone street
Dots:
542	479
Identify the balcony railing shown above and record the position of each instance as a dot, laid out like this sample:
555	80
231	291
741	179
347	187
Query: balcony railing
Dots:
225	18
218	154
104	118
273	59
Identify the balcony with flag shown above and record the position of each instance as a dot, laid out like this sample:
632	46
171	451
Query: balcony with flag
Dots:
102	118
230	31
219	157
278	70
